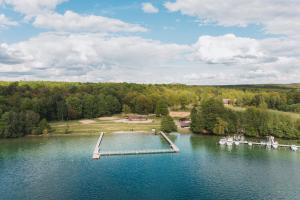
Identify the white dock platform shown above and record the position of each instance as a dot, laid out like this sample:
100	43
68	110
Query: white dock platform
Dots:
97	153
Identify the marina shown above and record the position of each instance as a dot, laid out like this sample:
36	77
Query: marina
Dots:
270	143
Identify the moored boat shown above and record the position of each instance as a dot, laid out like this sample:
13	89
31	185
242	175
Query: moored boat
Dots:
275	145
222	141
294	148
229	141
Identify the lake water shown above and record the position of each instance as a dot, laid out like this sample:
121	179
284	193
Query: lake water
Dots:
61	168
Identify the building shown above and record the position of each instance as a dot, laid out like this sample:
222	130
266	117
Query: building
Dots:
184	122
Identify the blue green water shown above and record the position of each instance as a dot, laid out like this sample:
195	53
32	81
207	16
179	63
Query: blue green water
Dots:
62	168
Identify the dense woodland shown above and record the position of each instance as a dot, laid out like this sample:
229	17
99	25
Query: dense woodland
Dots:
26	107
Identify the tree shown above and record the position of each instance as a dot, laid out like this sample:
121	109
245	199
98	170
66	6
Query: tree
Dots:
167	124
211	109
126	109
31	120
74	107
13	125
221	126
43	127
197	121
161	108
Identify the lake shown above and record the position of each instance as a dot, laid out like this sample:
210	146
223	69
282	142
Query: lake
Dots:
62	168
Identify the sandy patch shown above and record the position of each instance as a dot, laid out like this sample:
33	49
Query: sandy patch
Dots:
134	122
87	121
107	118
179	114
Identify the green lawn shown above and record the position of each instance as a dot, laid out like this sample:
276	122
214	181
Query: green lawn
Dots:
75	127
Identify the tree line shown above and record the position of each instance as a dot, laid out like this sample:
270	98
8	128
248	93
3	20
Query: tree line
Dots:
211	117
24	105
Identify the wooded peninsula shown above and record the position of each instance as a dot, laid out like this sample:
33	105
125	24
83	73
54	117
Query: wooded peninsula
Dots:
26	108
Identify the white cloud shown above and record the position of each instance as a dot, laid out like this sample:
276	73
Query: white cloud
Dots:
98	57
10	56
228	49
149	8
277	17
6	22
31	8
74	22
54	55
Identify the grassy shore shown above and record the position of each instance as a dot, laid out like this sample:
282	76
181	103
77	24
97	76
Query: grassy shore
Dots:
106	124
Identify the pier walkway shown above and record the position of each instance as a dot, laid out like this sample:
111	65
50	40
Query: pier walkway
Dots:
97	153
265	143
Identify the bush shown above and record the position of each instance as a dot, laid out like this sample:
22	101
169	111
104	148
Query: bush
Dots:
168	124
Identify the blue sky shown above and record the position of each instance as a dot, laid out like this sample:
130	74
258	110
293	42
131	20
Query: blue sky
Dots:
186	41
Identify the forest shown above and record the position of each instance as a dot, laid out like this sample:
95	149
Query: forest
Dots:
27	107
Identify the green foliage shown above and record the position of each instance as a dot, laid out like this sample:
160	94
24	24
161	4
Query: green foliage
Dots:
211	109
197	120
167	124
161	108
126	109
43	127
221	127
56	101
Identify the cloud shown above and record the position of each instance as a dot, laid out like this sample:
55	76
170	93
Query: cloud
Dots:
102	57
9	56
6	22
228	49
60	55
32	8
277	17
73	22
149	8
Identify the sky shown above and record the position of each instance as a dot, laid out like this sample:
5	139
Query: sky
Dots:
202	42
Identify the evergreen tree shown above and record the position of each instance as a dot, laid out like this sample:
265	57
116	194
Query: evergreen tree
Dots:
167	124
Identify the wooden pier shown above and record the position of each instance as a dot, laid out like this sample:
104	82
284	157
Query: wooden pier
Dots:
97	153
172	145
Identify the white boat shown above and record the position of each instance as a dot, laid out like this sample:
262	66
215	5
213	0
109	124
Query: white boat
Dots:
250	143
222	141
229	142
275	145
294	148
236	142
268	145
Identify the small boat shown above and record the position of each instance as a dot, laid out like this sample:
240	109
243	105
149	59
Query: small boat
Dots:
268	145
275	145
229	142
222	141
250	143
236	142
294	148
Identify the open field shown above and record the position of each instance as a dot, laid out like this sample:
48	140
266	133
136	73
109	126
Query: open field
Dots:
290	114
107	125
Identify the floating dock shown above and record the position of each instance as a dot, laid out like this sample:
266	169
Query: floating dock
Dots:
265	143
97	153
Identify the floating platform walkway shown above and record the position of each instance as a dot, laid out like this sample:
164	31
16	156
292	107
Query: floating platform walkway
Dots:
265	143
97	153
